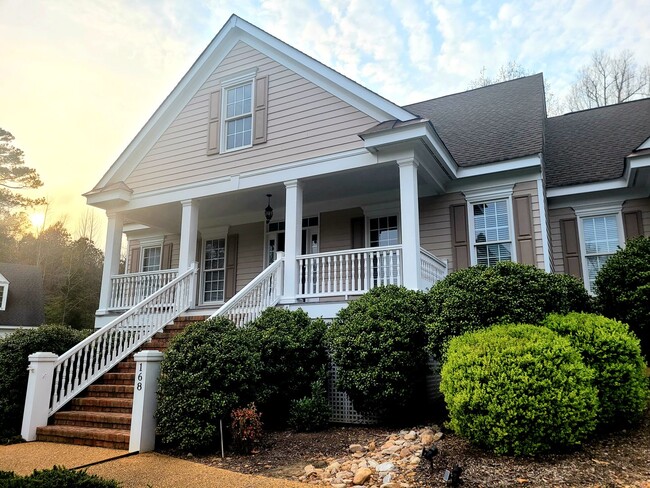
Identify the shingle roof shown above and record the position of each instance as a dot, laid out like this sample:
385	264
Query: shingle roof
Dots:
591	145
489	124
25	303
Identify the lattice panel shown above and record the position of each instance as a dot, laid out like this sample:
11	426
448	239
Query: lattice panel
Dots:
343	411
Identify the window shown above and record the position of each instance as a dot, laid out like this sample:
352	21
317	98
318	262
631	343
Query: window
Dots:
238	120
384	231
492	237
151	257
601	238
385	265
4	291
214	270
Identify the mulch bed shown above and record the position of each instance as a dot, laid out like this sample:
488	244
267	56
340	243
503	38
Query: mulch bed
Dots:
617	460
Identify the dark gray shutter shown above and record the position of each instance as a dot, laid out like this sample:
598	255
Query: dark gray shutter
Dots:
358	232
571	247
134	260
459	237
214	126
524	230
166	259
232	245
261	113
633	224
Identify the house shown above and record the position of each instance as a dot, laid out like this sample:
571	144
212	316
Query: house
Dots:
268	179
21	297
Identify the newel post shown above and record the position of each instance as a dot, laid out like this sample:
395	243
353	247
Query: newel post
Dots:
39	387
143	423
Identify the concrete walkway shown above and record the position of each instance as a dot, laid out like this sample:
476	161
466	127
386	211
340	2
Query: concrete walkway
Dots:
137	471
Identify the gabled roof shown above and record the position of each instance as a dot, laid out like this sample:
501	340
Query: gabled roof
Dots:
591	145
25	302
235	30
489	124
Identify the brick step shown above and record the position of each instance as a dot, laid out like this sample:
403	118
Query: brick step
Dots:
118	378
112	391
94	404
102	420
84	436
124	367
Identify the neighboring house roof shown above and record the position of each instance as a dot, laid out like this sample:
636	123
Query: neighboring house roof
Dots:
489	124
25	302
591	145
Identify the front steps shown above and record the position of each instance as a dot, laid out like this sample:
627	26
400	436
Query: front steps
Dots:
101	415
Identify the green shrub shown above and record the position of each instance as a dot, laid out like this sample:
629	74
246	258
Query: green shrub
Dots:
245	428
209	369
310	413
293	355
518	389
58	476
623	289
478	297
14	352
614	354
377	344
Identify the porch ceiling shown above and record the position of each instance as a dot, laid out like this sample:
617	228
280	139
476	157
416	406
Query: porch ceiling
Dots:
346	189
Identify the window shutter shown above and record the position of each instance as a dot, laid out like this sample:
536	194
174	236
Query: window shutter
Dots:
633	224
261	113
571	247
134	260
358	236
214	126
459	236
231	265
524	230
166	259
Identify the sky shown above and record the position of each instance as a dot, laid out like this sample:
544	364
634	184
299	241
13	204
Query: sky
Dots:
79	78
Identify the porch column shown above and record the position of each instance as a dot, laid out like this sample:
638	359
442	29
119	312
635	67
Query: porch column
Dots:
410	220
111	259
293	237
189	233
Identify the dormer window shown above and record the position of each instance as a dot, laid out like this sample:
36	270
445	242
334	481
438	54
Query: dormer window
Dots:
4	291
239	116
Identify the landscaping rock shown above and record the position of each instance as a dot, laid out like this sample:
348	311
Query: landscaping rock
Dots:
385	467
357	448
437	436
361	476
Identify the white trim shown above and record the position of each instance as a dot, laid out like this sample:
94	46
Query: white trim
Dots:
644	145
525	162
4	286
233	83
238	78
588	210
152	241
493	193
202	269
142	252
543	217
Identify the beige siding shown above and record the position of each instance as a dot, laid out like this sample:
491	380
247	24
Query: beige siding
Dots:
303	121
336	230
530	188
250	251
643	205
554	216
435	224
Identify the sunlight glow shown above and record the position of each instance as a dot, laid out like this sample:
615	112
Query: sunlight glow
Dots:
37	219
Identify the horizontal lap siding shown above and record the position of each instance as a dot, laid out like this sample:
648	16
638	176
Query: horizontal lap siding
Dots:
304	121
250	251
435	225
642	205
530	188
555	216
336	229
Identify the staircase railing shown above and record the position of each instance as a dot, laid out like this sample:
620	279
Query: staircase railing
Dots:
87	361
264	291
432	269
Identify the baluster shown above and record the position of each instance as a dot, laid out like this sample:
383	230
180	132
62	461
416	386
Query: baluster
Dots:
56	394
399	266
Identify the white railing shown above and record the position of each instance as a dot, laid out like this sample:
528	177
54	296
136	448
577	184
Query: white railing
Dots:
432	269
98	353
127	290
264	291
349	272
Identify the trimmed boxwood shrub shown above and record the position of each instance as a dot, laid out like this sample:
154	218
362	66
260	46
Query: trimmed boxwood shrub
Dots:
209	369
623	289
518	389
292	354
58	476
378	344
609	348
478	297
14	352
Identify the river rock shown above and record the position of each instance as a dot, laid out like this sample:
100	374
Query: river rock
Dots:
361	476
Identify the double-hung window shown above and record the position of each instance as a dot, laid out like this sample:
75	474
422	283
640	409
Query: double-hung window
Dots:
214	270
601	237
151	258
4	291
238	120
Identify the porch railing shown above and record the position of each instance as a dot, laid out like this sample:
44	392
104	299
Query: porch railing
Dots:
127	290
264	291
98	353
432	269
349	272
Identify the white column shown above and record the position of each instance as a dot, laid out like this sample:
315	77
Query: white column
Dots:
37	399
293	238
143	422
111	259
189	233
410	222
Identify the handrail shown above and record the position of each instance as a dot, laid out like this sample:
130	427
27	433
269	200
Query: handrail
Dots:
441	262
432	269
265	290
80	366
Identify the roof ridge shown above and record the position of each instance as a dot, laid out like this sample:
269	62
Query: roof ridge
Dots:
611	105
